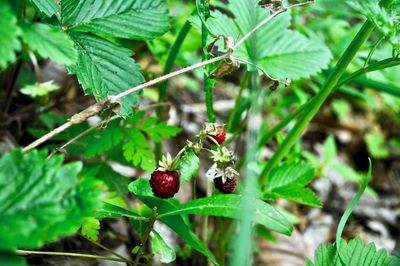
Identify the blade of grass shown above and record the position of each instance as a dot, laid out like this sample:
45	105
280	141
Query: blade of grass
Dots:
352	205
321	96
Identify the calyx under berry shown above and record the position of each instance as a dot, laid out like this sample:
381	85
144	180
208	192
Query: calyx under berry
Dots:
214	133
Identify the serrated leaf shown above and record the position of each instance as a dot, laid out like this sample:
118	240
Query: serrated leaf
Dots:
104	140
48	7
49	42
286	174
188	166
9	32
104	68
39	89
158	131
160	247
90	228
353	252
131	19
288	181
281	52
227	206
42	199
178	223
138	151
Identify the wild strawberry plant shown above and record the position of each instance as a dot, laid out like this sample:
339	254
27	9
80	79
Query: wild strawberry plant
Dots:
46	196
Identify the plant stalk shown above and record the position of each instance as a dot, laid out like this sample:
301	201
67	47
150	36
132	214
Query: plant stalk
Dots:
321	96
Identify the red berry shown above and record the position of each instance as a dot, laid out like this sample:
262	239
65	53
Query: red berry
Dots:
220	137
227	187
165	184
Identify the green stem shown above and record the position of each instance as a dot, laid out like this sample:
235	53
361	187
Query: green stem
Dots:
321	96
146	236
203	10
371	53
389	62
173	54
68	254
238	99
106	248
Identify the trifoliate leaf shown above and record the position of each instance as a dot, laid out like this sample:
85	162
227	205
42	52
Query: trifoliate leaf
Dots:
49	42
41	199
288	181
160	247
104	68
131	19
39	89
138	151
9	32
90	228
280	52
48	7
353	252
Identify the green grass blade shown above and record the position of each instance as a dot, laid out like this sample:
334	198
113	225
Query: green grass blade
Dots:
352	205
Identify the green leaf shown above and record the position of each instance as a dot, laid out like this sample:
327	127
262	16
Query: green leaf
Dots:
353	252
42	199
188	166
288	181
90	228
352	205
160	247
138	151
329	149
112	211
49	42
299	194
178	223
376	144
158	131
104	140
48	7
114	181
10	259
9	32
281	52
39	89
227	206
131	19
104	73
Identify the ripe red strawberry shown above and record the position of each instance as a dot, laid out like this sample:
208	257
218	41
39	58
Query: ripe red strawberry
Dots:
227	187
165	184
220	137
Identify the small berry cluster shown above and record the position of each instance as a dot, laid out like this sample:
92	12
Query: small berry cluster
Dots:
165	180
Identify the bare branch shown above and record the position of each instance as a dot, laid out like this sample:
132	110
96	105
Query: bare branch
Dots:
96	108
